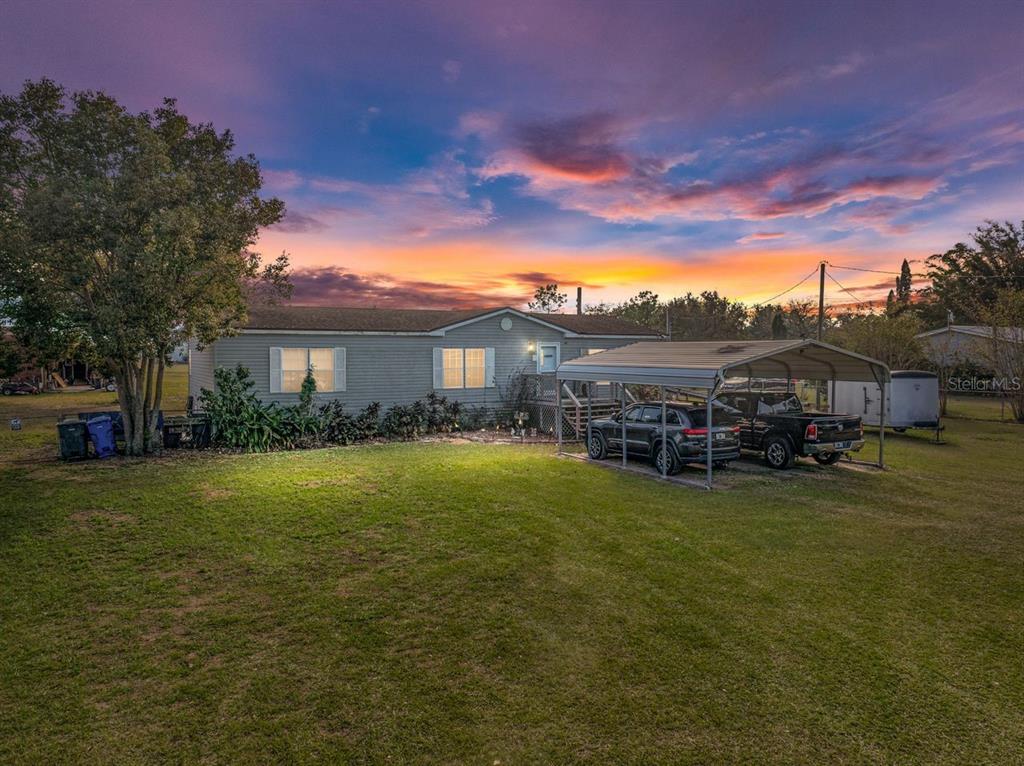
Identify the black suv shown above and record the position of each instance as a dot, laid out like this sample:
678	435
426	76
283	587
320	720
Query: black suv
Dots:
687	436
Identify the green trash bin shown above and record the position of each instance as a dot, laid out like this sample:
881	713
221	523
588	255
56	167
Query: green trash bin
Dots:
72	440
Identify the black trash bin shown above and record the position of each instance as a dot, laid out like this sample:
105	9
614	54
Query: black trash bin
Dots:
172	434
201	431
72	440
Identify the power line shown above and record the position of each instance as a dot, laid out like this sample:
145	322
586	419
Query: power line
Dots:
857	268
791	289
848	292
924	276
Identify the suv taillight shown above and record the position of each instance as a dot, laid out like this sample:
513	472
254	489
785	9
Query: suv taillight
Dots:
695	431
811	434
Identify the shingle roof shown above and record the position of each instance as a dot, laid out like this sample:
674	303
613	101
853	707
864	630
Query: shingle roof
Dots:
339	318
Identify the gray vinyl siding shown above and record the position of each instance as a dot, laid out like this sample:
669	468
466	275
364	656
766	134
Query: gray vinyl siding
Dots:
398	369
200	370
951	348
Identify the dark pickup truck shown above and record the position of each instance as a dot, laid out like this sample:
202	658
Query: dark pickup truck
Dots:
687	434
776	424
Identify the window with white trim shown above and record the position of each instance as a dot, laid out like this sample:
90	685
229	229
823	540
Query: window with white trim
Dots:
464	367
296	361
454	363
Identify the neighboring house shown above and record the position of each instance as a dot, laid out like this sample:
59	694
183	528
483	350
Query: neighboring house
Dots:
964	344
179	354
396	356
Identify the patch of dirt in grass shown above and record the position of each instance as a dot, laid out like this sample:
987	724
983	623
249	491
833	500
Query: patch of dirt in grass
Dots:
91	515
331	481
216	493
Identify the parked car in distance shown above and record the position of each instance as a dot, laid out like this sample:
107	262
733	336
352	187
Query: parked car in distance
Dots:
687	436
776	424
11	388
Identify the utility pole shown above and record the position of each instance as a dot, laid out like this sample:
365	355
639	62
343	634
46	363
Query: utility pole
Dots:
668	324
821	326
821	299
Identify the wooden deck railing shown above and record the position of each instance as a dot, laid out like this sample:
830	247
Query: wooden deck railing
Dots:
603	400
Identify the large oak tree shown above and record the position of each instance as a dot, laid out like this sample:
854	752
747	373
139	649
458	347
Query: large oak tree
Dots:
134	229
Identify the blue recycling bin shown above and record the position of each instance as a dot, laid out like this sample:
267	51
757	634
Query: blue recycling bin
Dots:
101	432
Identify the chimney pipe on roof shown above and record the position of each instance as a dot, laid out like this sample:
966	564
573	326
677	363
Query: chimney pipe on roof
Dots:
579	300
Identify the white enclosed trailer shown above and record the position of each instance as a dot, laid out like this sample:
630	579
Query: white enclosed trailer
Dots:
911	400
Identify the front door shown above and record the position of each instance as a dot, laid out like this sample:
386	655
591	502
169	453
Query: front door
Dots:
547	357
640	432
632	415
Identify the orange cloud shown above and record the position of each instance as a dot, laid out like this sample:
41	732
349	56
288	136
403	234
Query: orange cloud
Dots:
477	272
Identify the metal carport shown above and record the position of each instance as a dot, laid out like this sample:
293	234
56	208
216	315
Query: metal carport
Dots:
703	366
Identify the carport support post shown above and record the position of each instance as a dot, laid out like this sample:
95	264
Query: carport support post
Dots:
664	434
881	427
589	417
558	412
623	385
707	420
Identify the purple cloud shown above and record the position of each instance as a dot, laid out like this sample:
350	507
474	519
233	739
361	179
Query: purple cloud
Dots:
296	222
337	286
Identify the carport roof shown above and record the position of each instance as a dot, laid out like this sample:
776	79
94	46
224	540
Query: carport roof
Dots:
703	364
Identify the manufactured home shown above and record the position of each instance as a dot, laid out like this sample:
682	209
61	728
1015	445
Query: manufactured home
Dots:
396	356
966	344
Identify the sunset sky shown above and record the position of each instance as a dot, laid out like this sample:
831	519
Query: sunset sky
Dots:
456	154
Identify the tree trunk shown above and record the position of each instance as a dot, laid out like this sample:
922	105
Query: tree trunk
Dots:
131	396
153	415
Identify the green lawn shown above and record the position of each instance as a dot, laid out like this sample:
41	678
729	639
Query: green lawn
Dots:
979	408
461	603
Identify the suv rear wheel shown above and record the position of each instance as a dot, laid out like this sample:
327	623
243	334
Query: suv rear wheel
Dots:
597	448
828	458
778	453
662	457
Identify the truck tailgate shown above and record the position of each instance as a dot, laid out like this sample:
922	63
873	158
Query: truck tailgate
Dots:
837	428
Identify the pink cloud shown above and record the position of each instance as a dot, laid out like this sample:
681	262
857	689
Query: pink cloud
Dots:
582	164
761	236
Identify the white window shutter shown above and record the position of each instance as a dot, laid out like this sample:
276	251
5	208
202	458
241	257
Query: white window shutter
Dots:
340	370
438	368
275	370
489	367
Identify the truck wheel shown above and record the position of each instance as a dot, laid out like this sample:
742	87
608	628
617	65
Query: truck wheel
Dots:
662	455
778	453
829	458
597	448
